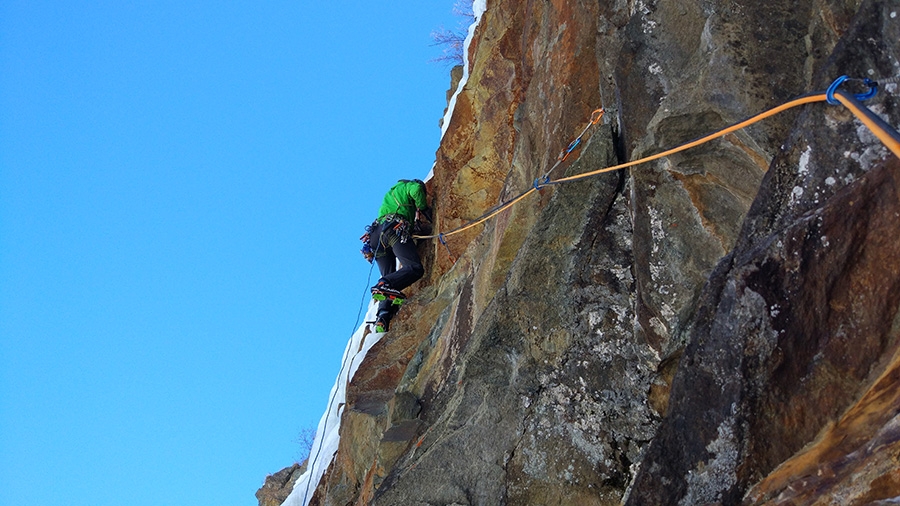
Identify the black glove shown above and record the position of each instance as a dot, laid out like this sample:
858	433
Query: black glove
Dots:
426	213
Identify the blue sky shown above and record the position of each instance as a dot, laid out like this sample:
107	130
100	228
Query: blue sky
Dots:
182	189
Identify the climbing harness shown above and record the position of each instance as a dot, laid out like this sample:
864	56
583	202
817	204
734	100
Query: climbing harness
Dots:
391	229
833	95
394	227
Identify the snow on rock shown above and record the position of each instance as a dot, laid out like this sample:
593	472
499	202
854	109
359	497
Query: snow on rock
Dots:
478	8
327	438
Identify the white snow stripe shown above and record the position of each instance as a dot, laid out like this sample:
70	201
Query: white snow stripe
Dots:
478	9
325	444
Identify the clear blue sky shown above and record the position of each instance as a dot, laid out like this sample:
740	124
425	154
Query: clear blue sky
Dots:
182	189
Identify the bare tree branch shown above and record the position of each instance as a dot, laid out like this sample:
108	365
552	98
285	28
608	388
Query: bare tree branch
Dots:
453	41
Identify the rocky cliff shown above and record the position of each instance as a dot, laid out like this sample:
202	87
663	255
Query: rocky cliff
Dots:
718	326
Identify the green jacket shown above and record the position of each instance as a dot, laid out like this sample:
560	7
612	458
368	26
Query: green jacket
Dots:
403	199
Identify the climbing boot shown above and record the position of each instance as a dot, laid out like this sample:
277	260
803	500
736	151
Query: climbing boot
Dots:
382	322
383	291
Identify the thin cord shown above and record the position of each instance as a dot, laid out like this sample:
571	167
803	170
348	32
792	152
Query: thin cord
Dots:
362	300
311	467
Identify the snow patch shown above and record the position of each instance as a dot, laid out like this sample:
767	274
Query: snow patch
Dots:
327	438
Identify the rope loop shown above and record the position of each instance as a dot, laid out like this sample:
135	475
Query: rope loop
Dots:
829	93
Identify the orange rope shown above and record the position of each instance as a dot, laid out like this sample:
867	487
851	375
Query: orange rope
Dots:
807	99
884	132
872	122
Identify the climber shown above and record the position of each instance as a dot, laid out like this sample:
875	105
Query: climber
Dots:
389	241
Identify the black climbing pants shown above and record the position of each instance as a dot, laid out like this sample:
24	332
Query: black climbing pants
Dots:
388	250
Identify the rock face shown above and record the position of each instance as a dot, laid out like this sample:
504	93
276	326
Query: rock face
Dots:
797	328
278	486
719	326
